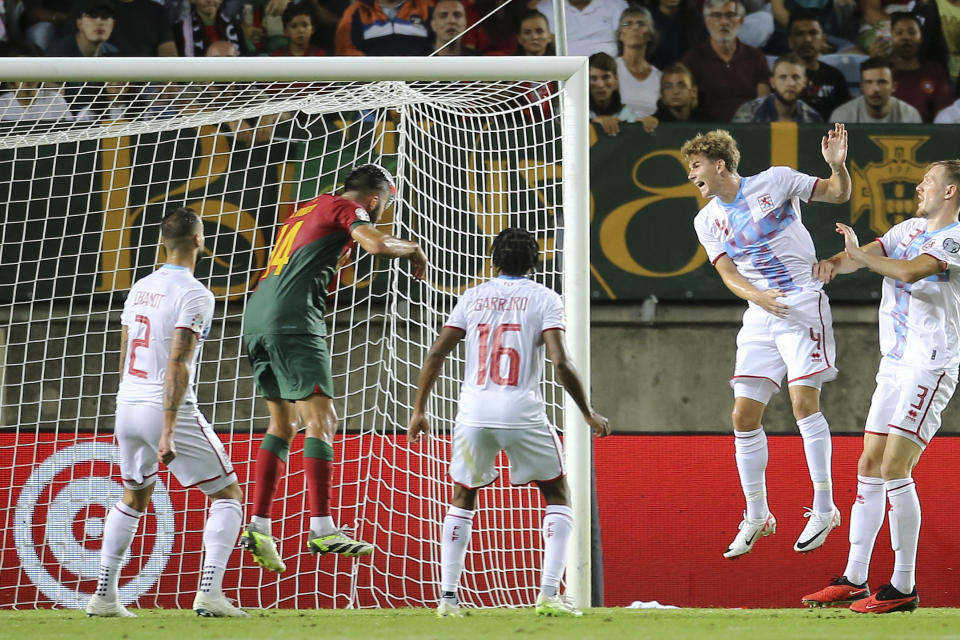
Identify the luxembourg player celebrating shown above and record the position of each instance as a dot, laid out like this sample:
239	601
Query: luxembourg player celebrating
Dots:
753	234
506	321
920	342
165	317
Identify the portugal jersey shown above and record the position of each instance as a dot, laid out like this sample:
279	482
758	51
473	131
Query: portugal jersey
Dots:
920	322
762	232
170	298
291	294
504	320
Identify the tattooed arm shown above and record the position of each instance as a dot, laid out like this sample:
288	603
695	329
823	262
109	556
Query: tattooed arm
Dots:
174	387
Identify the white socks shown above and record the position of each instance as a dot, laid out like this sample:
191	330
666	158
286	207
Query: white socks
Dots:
557	528
457	528
818	449
224	520
322	525
751	453
261	525
866	518
904	518
118	530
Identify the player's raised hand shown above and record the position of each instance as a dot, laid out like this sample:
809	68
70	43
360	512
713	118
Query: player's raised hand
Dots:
850	242
419	426
599	424
834	145
824	271
418	261
165	449
769	301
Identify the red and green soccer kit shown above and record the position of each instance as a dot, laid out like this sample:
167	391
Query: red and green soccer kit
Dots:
283	327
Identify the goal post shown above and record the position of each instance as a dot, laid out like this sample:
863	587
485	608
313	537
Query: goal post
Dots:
478	144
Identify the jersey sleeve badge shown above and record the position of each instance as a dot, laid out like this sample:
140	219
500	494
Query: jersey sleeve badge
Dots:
197	324
950	245
362	214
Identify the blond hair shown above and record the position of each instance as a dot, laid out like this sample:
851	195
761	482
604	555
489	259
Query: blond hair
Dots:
713	145
951	169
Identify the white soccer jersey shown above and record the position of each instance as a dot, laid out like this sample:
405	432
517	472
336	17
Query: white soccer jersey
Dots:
504	320
762	232
920	322
170	298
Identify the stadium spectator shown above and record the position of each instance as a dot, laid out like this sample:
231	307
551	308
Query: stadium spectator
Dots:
505	412
142	29
949	115
924	84
679	24
261	22
534	37
826	85
877	103
591	24
606	108
787	327
448	20
284	334
32	101
783	104
94	27
915	381
638	79
678	96
204	24
166	317
727	72
299	27
385	28
836	19
46	21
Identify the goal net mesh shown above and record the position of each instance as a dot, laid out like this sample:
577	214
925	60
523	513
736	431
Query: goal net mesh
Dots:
90	170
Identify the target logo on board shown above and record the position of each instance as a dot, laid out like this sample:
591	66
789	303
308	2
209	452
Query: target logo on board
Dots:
59	524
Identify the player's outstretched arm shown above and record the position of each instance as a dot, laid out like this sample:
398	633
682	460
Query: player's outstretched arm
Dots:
378	243
835	189
175	383
429	372
567	376
768	300
908	271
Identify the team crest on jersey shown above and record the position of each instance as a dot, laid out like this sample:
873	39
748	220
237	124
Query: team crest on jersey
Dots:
950	245
766	202
362	214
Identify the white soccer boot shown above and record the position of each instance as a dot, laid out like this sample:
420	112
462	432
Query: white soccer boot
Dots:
100	607
448	609
750	532
216	606
556	606
818	528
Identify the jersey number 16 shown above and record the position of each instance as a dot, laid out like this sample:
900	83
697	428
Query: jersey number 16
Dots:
491	355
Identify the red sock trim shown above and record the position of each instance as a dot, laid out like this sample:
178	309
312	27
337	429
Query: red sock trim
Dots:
319	478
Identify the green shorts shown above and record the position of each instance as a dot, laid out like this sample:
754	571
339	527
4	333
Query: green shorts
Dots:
289	366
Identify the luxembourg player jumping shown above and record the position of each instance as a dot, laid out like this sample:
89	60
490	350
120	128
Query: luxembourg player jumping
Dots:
165	318
285	337
753	234
920	342
506	322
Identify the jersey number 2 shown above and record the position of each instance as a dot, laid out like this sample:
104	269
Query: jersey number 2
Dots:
491	355
136	344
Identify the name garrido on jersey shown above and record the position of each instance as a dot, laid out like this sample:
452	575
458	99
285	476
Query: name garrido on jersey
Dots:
501	304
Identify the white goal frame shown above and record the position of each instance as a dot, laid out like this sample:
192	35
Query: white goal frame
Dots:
572	72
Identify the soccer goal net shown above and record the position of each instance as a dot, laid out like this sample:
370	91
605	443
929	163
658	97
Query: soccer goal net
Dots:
94	152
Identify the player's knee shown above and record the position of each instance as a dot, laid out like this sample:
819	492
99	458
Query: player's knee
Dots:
869	465
464	497
138	499
555	492
285	429
895	468
744	420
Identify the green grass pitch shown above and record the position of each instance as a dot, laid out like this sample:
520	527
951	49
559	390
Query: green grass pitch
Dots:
393	624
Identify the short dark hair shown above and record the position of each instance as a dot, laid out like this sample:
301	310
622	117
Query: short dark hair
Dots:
179	225
515	252
603	61
294	10
876	62
900	16
803	15
787	58
369	178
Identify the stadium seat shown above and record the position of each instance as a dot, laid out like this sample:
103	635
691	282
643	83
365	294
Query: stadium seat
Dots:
849	65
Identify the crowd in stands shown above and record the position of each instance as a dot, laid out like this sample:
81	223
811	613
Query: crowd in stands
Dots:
650	61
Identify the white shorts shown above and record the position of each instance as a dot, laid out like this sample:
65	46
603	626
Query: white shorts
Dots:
201	459
535	454
908	401
800	346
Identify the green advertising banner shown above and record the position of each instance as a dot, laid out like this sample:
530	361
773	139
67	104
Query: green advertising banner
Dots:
643	206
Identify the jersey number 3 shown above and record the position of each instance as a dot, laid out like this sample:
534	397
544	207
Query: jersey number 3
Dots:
491	355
